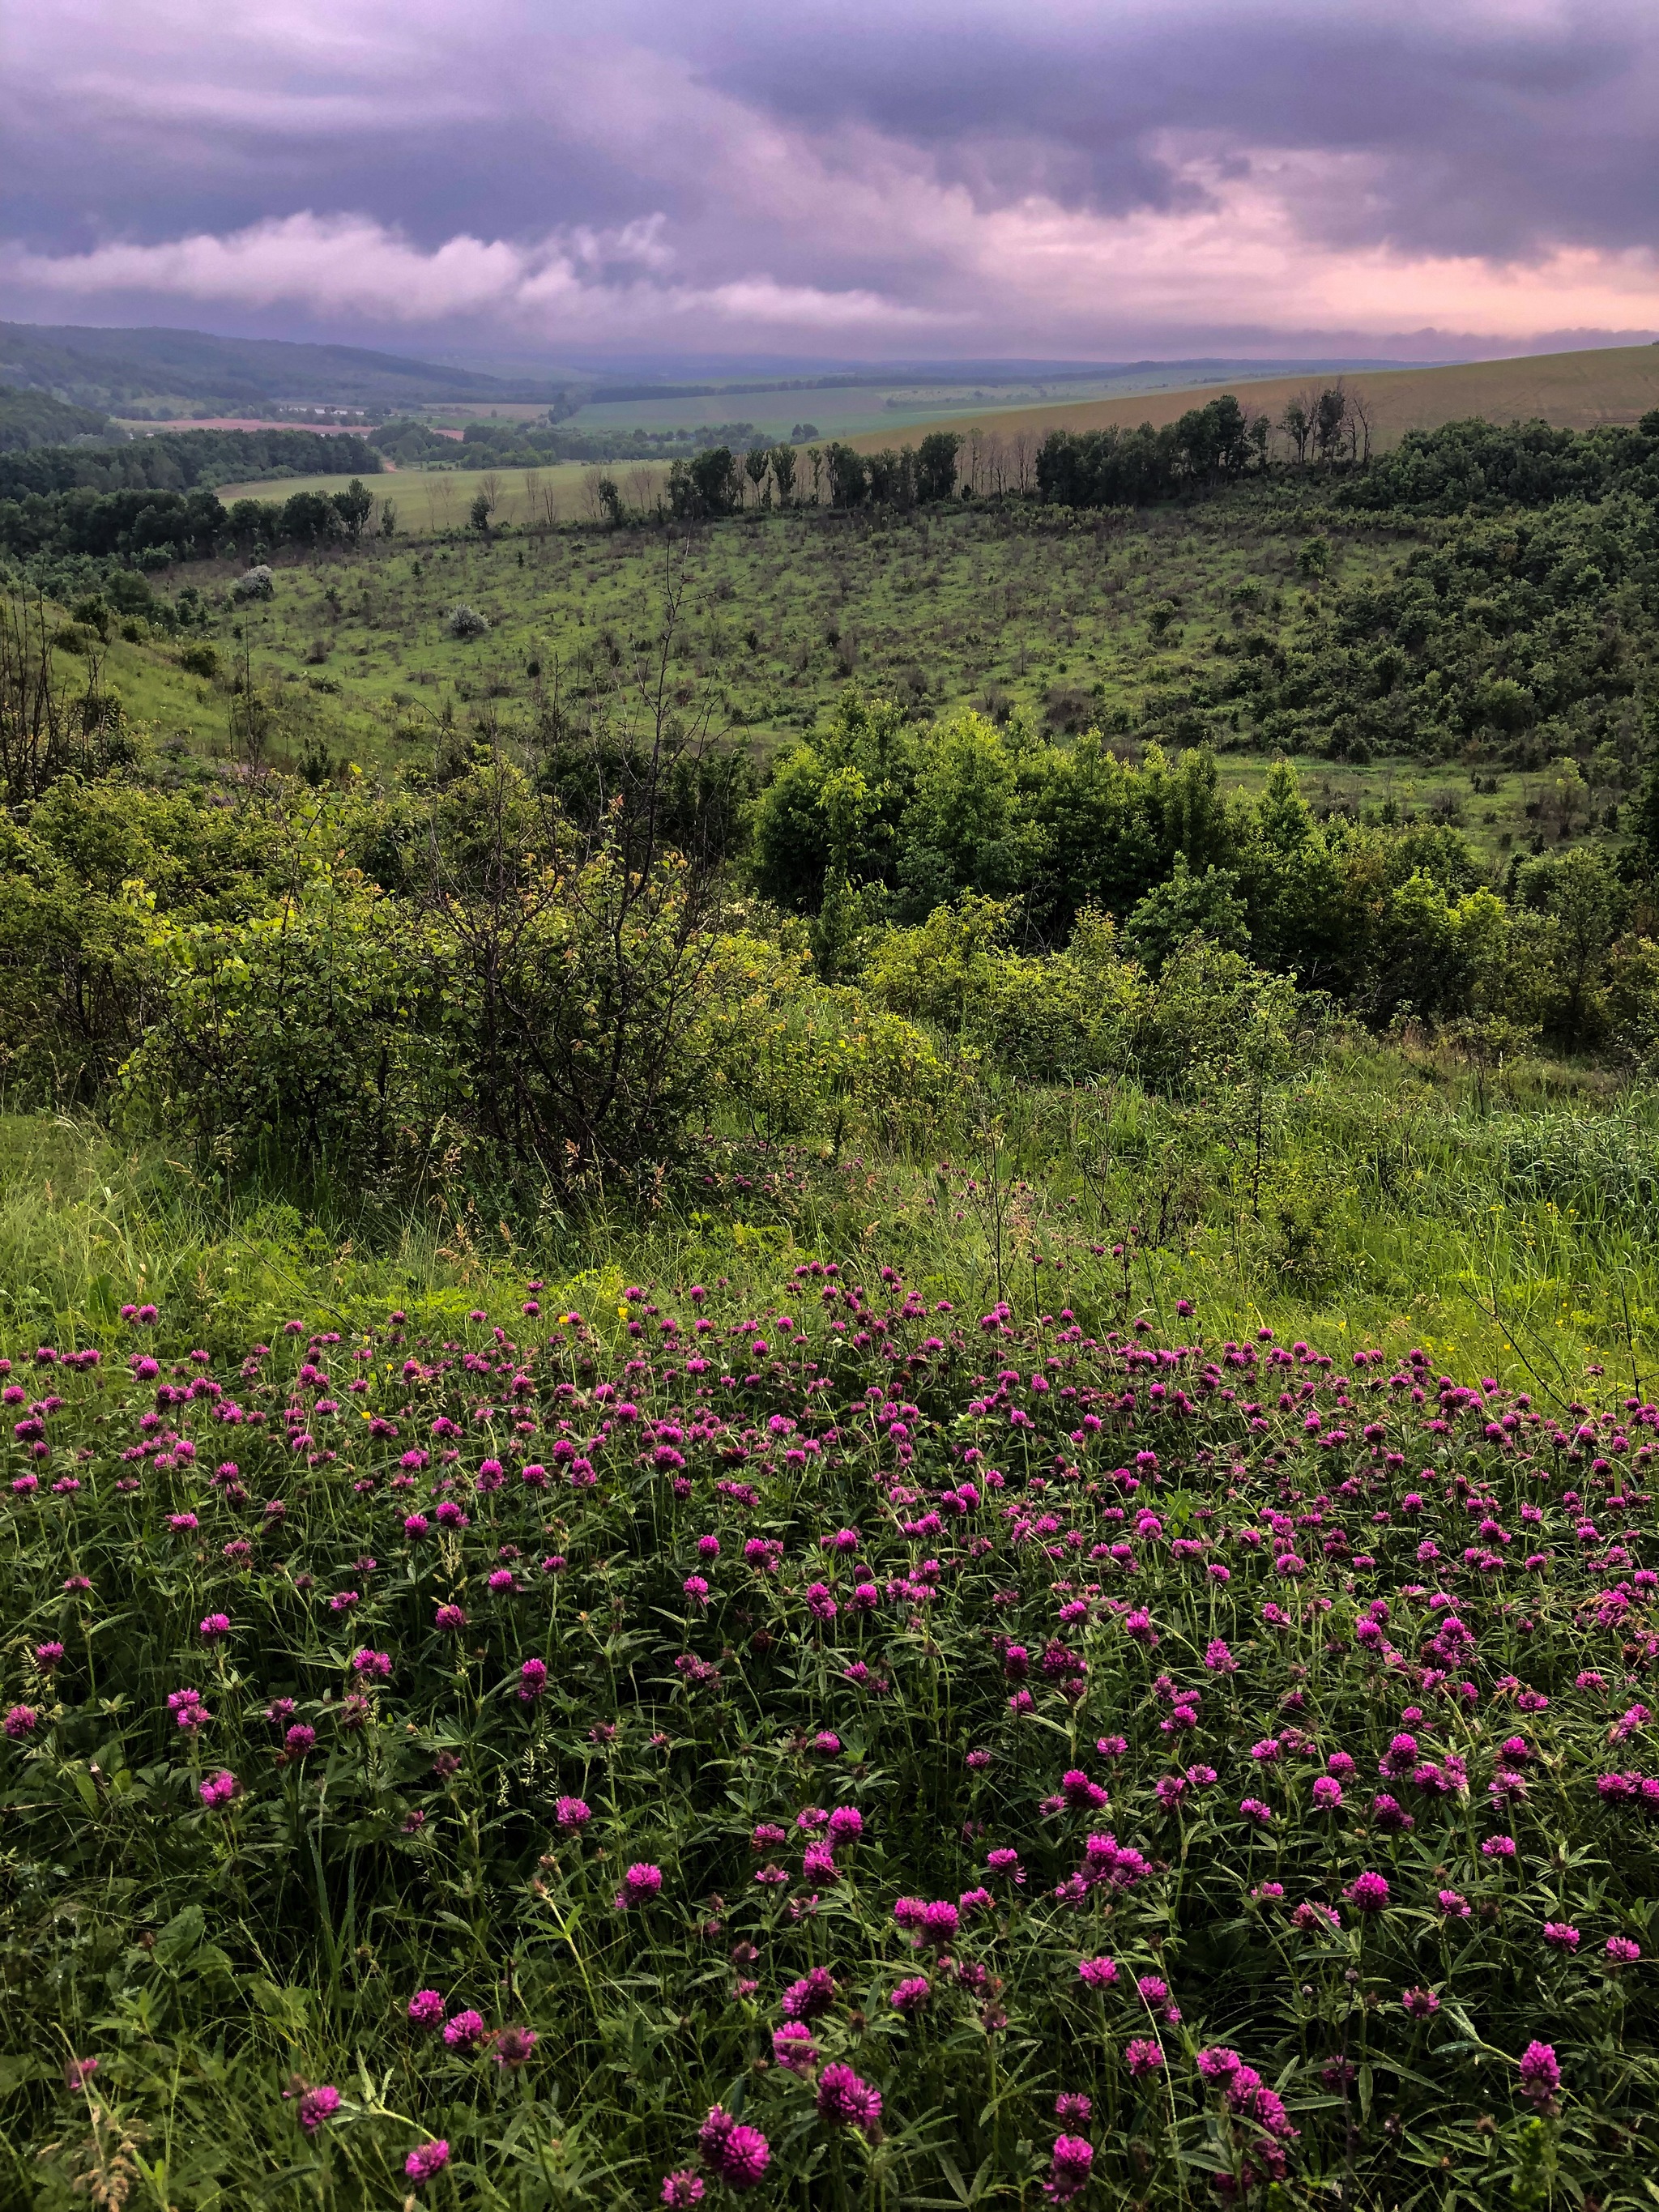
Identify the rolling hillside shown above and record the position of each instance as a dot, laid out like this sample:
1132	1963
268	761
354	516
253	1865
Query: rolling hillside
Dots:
1574	391
99	368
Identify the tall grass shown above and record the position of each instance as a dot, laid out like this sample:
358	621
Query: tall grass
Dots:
1390	1202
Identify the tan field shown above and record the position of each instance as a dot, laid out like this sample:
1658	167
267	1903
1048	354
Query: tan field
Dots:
1574	391
431	502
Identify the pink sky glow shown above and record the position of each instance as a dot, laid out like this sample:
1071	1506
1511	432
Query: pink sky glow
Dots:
1098	181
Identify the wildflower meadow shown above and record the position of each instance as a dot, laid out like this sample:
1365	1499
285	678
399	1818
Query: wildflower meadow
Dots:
847	1750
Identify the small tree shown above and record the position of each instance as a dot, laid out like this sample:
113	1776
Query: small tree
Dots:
485	503
1361	427
1297	424
1330	416
1569	794
849	479
352	506
936	465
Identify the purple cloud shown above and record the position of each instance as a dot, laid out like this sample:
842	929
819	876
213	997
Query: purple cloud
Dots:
1170	175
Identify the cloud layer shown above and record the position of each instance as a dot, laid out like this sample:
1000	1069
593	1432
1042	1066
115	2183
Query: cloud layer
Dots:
1060	177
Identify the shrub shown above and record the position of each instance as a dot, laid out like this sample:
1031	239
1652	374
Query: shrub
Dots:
464	621
291	1041
579	974
1056	1018
257	583
1211	1017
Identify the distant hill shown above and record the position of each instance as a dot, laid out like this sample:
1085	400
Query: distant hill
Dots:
105	369
35	418
1572	390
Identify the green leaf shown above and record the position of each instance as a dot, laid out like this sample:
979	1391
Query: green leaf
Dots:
175	1942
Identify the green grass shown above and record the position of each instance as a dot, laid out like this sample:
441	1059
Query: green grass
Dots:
1510	1230
977	607
948	609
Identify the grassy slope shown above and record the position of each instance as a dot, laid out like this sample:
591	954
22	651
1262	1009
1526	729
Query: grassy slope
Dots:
1511	1233
1574	391
956	603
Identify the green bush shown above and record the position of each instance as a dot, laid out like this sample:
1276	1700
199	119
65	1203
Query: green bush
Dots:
794	1059
293	1042
1211	1019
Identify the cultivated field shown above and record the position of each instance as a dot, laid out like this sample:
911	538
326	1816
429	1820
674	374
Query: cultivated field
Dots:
1574	391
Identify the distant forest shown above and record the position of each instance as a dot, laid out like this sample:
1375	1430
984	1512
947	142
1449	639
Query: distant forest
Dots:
183	460
108	369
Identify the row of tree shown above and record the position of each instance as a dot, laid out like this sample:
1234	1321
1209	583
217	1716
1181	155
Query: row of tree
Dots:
412	443
185	460
713	483
1206	446
154	529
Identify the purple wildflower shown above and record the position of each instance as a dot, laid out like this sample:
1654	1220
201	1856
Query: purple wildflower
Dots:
1070	2163
793	2047
845	2101
1541	2075
640	1884
317	2106
466	2031
426	2160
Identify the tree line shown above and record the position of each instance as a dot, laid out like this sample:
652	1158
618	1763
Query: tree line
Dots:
412	443
155	529
185	460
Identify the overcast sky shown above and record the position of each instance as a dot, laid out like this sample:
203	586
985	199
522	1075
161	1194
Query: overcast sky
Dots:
1084	178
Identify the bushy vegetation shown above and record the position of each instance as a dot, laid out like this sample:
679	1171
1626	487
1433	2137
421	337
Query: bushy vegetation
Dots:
1483	466
879	818
908	1467
154	528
